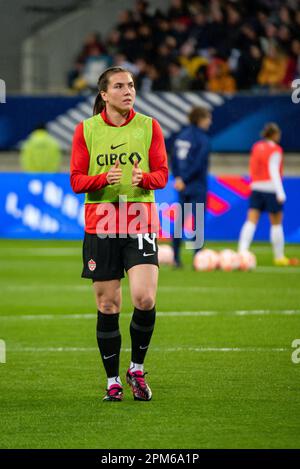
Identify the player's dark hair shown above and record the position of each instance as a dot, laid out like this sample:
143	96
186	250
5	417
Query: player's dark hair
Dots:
102	84
270	129
198	113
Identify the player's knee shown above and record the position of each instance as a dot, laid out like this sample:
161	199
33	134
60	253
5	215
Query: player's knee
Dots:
144	302
108	306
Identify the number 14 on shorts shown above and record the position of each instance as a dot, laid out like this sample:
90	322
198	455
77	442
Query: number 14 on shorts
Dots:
149	238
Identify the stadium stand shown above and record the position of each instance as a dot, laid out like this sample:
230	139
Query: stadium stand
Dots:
220	46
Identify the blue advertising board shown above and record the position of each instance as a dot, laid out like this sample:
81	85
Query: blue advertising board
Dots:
43	206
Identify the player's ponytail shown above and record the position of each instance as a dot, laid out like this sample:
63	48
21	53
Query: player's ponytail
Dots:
99	104
102	84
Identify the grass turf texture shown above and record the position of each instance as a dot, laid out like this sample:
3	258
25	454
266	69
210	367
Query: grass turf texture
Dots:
221	377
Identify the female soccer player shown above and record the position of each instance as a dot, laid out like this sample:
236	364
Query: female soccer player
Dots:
266	169
118	159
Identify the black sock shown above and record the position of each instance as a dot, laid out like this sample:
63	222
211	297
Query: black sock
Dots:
109	342
141	329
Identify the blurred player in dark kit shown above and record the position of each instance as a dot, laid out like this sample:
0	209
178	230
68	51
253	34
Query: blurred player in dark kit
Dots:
190	163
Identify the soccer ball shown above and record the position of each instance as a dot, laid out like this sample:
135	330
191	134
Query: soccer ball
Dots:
165	254
247	260
229	260
206	260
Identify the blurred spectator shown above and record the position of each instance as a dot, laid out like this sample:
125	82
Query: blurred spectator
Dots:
189	59
216	31
234	23
296	24
179	79
293	64
120	60
74	76
91	44
179	31
248	38
140	14
219	78
260	22
113	42
142	81
198	83
126	21
40	152
145	38
296	57
130	44
249	65
91	60
284	15
284	39
269	36
178	10
162	30
163	57
94	65
158	81
198	31
273	70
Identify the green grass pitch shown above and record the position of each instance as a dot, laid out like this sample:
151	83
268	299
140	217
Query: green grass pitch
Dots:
219	365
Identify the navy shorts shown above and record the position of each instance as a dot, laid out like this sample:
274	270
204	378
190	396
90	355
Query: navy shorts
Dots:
107	258
265	202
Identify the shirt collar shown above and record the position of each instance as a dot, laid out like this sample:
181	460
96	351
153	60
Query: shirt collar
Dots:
107	121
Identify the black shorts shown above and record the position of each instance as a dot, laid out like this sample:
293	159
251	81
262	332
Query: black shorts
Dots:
265	202
106	258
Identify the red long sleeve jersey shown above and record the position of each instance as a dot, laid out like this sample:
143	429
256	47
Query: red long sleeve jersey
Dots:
81	182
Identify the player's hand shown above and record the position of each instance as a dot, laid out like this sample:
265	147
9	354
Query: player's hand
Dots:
281	199
179	184
114	174
137	174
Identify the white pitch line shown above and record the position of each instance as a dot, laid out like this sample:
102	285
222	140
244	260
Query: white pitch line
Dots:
153	349
163	314
259	312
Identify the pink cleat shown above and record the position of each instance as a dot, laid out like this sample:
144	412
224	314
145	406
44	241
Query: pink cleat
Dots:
114	393
139	387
